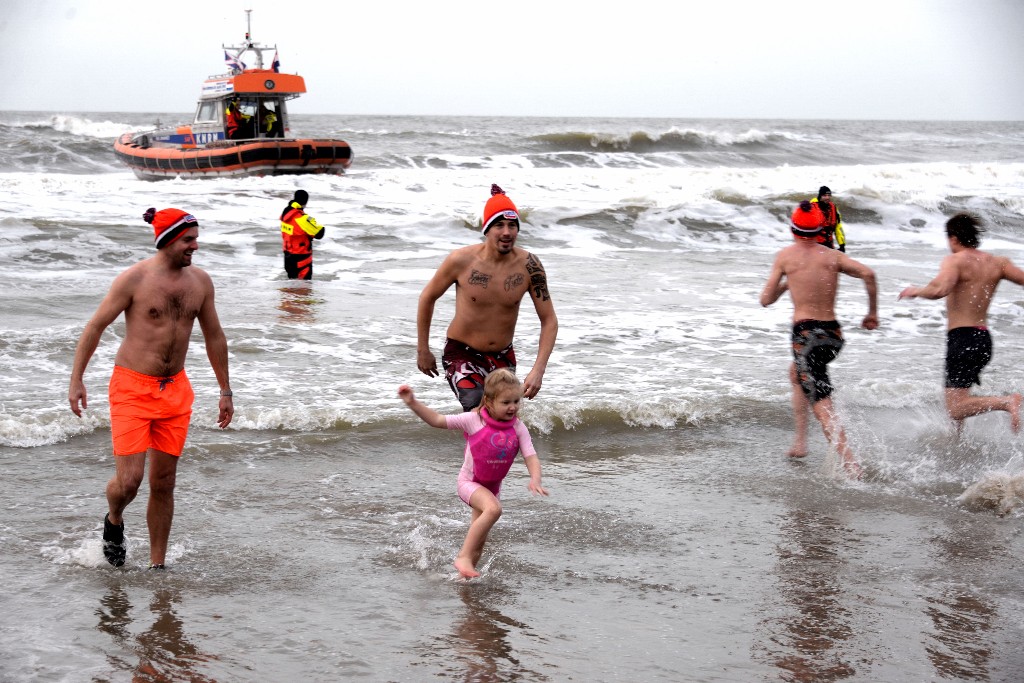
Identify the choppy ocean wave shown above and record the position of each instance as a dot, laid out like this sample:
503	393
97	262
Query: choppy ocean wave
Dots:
76	126
477	142
656	254
662	424
673	140
58	143
23	426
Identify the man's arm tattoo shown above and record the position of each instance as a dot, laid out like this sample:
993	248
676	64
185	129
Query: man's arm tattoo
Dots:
538	278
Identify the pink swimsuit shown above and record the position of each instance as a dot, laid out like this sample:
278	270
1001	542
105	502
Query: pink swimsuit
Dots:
491	446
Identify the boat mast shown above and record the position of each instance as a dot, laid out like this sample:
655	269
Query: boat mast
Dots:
249	45
248	40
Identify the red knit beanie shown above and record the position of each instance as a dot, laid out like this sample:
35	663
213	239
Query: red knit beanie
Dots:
169	224
807	219
498	206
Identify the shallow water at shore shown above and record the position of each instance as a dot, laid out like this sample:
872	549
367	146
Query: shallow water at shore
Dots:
681	554
313	539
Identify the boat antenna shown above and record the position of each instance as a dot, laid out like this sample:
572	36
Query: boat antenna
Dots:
248	39
248	45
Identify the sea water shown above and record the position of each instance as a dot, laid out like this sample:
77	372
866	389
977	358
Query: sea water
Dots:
313	538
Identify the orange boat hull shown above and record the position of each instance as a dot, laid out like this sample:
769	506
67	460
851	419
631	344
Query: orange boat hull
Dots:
259	157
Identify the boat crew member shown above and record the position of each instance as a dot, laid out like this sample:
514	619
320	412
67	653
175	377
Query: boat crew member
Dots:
268	122
832	235
236	123
298	230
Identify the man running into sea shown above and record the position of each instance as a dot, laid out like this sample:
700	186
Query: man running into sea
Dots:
810	272
490	281
968	279
150	395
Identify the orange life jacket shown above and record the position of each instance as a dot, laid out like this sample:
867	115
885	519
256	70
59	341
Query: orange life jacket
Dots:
232	121
298	230
832	228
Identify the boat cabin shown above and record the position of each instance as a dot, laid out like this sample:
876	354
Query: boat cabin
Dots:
240	128
243	104
246	106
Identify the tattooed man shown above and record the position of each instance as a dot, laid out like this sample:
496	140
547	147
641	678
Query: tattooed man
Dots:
490	280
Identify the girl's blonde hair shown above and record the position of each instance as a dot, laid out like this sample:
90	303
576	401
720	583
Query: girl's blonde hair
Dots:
498	381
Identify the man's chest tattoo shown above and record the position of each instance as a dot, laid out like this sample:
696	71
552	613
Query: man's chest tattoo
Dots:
478	278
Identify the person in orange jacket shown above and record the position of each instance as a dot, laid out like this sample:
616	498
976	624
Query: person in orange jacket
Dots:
832	235
236	124
298	230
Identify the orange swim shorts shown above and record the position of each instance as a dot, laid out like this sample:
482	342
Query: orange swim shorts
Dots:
149	412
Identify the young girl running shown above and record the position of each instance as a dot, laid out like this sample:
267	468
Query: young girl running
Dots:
493	437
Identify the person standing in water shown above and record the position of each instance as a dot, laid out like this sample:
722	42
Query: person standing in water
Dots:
150	395
810	273
298	230
832	234
494	434
967	280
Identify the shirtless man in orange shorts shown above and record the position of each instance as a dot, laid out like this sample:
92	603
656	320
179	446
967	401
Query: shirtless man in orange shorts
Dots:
490	281
150	395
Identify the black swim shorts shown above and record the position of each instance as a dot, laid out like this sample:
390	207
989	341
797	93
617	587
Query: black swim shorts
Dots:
465	368
816	343
968	350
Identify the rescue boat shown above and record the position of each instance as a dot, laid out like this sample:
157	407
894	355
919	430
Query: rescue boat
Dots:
240	128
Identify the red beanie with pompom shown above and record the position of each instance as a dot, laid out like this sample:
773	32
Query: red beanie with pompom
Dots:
169	224
498	206
807	220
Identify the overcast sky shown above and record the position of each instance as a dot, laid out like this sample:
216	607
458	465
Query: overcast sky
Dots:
862	59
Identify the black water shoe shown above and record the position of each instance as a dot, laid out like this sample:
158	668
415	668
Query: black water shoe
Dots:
114	548
157	566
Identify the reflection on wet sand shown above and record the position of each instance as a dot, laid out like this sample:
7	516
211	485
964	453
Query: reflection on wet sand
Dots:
479	644
962	617
297	303
809	568
163	651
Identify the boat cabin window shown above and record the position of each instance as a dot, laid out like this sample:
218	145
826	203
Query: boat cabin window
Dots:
239	123
208	112
254	118
269	119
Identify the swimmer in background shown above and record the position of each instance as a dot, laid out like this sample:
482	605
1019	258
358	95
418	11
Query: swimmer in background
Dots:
494	434
967	279
810	272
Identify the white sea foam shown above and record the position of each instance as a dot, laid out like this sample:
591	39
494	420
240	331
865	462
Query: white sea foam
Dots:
655	262
76	125
1000	492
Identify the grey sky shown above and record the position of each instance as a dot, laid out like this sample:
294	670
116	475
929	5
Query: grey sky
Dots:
871	59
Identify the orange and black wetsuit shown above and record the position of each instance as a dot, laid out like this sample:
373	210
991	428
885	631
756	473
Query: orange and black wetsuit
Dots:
832	235
232	122
298	231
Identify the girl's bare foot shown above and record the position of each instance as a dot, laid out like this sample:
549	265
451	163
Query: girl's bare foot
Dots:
466	568
853	469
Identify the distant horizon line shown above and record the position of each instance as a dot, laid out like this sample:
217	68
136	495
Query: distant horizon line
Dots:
537	116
